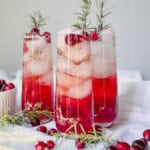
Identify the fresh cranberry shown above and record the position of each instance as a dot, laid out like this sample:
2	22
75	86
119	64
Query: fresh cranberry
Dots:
52	131
42	129
8	86
2	83
134	147
71	39
86	35
79	144
47	36
35	31
111	147
80	38
40	145
146	134
25	47
122	146
50	144
145	142
139	143
34	122
94	36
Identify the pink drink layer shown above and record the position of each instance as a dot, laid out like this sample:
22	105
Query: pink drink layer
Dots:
74	110
37	87
105	99
34	92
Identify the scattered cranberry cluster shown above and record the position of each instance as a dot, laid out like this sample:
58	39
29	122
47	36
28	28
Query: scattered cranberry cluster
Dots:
36	31
6	86
41	145
139	144
72	39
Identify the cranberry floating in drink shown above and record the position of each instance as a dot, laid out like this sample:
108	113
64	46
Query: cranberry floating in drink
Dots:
104	77
73	109
37	87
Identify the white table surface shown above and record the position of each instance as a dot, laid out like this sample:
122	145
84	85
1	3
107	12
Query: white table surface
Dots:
133	118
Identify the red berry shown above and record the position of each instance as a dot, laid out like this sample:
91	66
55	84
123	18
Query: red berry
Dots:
139	143
94	36
8	86
52	131
40	145
134	147
47	36
2	83
79	144
71	39
34	122
146	134
42	129
35	31
50	144
86	35
111	147
145	142
25	47
122	146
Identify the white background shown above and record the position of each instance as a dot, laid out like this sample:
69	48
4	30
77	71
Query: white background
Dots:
131	21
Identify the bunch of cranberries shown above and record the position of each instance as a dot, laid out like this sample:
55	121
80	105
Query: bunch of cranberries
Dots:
6	86
139	144
72	39
36	31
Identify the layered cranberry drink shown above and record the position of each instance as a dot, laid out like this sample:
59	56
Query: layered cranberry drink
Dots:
73	110
37	85
104	77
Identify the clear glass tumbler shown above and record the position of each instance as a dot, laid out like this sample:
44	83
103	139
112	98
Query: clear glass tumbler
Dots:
37	84
73	109
104	78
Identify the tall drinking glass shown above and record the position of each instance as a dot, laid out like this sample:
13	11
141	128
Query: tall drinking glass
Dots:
73	109
37	87
104	78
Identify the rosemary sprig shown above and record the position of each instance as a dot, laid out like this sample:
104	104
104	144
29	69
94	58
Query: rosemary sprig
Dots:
83	16
27	115
37	20
101	15
13	119
92	137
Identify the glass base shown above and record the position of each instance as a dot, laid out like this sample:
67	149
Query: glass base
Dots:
104	125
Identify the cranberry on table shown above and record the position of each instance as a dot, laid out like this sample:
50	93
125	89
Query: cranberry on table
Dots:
122	146
40	145
34	122
79	144
2	83
134	147
146	134
140	143
50	144
52	131
42	129
111	147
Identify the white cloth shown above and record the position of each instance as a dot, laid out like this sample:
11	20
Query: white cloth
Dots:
133	118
